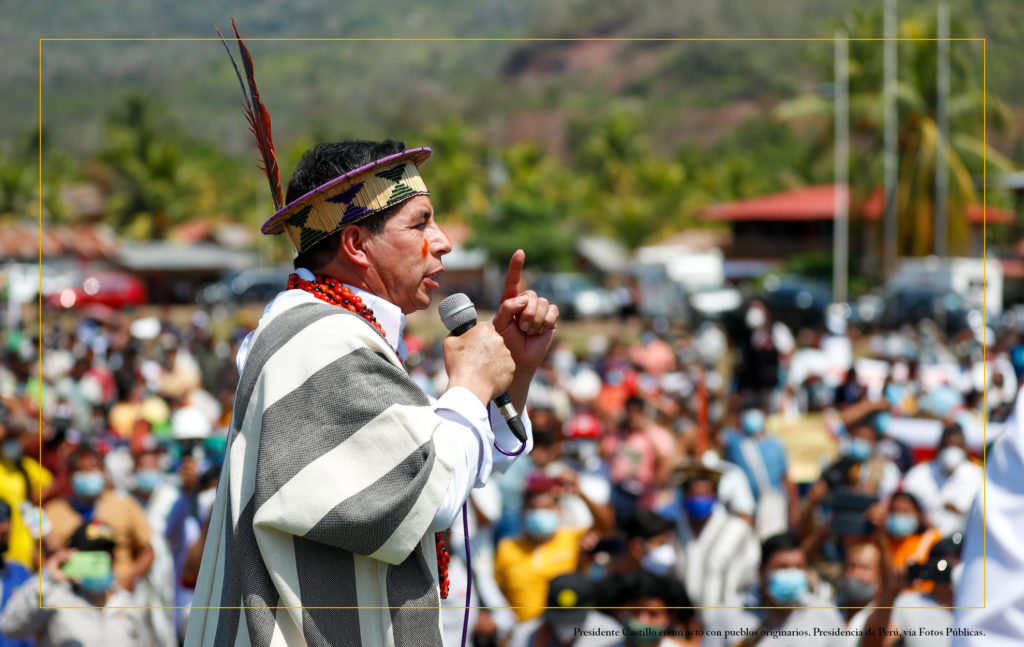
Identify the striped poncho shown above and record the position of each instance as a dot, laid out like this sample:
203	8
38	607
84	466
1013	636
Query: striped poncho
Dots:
335	467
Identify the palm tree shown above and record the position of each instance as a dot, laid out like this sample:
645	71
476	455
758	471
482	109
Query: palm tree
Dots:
919	140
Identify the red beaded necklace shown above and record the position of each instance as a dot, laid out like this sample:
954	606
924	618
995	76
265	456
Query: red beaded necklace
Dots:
331	290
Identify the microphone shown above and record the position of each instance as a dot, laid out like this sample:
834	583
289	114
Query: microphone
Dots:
459	315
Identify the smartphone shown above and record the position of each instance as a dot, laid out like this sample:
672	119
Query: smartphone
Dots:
87	564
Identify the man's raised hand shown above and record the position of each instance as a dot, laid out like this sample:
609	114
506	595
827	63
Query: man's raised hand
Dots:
524	320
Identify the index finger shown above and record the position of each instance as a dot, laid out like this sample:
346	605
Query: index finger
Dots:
515	272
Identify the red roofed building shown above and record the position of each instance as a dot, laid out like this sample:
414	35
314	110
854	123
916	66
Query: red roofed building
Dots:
801	220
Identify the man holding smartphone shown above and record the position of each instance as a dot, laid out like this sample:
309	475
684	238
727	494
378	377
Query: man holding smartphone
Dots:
80	575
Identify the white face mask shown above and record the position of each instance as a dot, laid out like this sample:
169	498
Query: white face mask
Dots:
755	318
564	633
950	458
660	560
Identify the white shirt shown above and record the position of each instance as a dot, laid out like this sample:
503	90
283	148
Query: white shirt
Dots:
457	404
935	489
721	562
994	547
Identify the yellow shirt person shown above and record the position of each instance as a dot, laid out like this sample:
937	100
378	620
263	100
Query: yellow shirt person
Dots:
16	485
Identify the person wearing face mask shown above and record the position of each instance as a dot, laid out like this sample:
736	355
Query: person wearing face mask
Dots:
643	600
864	468
924	604
580	454
946	485
92	500
858	588
156	588
21	478
758	343
524	565
788	608
78	575
650	544
763	459
716	551
567	622
12	574
909	535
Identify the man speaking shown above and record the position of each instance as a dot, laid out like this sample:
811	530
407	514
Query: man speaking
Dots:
339	468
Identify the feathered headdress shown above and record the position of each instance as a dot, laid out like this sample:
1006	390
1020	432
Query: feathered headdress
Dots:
258	117
344	200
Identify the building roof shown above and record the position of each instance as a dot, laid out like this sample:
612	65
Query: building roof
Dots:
90	241
804	204
156	256
817	203
874	209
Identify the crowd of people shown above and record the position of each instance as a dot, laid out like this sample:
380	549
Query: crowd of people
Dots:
665	481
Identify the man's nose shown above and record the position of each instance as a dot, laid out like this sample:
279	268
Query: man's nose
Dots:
440	244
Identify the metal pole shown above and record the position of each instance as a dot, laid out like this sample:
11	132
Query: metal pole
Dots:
890	160
942	117
841	224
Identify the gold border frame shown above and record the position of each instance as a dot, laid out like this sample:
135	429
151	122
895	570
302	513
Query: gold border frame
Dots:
984	50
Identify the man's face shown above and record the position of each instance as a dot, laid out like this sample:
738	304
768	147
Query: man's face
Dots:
955	440
406	256
635	417
863	564
781	562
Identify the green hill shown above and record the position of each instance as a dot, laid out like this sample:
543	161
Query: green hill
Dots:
344	88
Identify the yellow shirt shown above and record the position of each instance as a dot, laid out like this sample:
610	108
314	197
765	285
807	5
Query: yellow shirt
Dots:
523	568
14	491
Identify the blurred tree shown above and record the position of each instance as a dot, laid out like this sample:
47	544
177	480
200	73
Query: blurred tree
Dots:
918	137
19	178
530	210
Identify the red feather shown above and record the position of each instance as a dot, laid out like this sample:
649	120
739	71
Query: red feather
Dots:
258	117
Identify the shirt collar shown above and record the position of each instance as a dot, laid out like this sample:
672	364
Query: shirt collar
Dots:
389	316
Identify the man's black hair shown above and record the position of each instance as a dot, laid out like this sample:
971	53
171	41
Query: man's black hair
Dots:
325	162
952	429
645	524
83	451
626	589
921	527
777	544
635	401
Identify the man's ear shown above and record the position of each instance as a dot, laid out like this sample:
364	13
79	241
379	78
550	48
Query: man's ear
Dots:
353	245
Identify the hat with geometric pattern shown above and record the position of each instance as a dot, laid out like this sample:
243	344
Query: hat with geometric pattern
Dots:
350	198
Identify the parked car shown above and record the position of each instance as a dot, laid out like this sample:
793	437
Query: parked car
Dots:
256	285
576	295
796	301
659	295
912	305
112	289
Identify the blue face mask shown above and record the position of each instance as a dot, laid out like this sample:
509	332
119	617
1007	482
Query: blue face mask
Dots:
900	525
894	394
787	585
752	421
12	449
96	585
882	421
859	449
88	484
541	523
699	506
147	480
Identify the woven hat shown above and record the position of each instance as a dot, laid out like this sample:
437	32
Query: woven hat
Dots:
350	198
